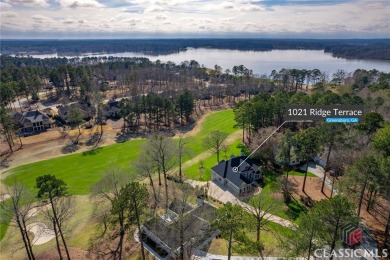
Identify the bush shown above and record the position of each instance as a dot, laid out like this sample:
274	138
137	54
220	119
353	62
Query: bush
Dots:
34	96
295	209
243	148
307	201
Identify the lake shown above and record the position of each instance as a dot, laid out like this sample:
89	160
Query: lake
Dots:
260	62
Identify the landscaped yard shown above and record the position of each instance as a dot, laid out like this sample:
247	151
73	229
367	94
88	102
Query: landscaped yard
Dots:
272	237
299	173
271	189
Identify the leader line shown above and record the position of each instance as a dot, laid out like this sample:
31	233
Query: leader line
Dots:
235	169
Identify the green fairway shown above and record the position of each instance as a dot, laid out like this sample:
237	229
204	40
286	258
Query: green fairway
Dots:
4	223
193	172
222	121
80	171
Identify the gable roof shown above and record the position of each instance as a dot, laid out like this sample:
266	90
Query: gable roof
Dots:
33	117
225	170
84	109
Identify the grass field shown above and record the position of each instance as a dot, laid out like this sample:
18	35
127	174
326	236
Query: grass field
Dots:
300	173
80	171
193	172
271	239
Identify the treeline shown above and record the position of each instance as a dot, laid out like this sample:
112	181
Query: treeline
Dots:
266	110
166	46
7	61
157	110
375	52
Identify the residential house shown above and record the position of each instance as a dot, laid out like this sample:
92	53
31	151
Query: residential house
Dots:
160	234
32	121
86	110
111	109
294	159
240	181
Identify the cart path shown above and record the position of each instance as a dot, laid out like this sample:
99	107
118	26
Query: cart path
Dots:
229	140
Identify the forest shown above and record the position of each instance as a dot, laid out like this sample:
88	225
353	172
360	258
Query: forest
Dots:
347	48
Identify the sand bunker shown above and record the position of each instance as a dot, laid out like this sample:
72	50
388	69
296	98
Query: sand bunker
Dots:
42	234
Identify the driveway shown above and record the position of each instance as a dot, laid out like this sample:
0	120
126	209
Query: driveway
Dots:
319	172
224	195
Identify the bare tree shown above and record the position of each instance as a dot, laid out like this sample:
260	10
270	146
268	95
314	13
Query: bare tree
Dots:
16	208
182	151
161	151
182	193
146	169
215	142
261	209
62	210
54	189
106	192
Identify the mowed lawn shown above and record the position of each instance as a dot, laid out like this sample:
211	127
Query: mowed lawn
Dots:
81	171
195	173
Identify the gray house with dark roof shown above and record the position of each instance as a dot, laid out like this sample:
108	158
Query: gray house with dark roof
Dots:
237	182
33	121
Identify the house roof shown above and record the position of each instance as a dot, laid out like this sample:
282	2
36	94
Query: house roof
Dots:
33	117
196	227
84	108
225	170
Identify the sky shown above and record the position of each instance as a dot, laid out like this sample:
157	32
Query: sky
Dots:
94	19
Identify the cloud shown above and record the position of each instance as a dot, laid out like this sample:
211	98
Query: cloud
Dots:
41	18
5	6
183	17
160	17
7	14
35	3
251	8
69	21
228	5
80	3
154	9
302	2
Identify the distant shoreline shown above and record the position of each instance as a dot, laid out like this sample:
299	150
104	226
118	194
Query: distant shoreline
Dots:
367	49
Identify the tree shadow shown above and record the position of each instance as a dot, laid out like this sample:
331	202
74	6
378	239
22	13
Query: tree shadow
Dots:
70	148
4	163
